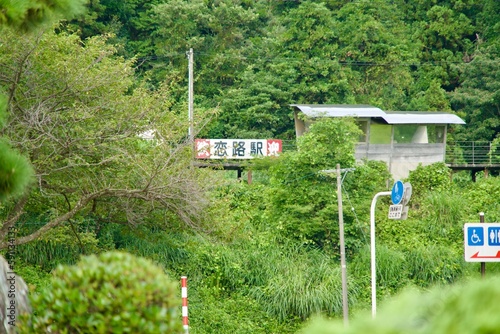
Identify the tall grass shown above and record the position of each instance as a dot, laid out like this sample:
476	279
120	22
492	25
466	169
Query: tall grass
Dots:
47	254
166	249
443	211
303	284
433	264
391	268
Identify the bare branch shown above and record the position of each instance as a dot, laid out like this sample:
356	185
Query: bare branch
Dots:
13	217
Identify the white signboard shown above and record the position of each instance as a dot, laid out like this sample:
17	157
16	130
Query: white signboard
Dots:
395	211
237	148
482	242
400	196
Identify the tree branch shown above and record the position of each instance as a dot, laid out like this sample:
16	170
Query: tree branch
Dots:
14	217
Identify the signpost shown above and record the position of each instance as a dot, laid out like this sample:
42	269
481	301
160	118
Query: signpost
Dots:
482	242
400	196
398	190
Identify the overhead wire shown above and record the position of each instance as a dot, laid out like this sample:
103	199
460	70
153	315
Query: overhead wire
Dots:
301	60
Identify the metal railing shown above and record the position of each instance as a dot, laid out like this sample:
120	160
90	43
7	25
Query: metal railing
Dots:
472	153
457	153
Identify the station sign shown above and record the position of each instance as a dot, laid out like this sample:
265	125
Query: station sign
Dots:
237	148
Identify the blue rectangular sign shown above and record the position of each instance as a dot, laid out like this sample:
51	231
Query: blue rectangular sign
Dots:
493	236
482	242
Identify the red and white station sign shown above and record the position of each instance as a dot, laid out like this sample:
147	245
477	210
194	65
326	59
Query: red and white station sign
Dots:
237	148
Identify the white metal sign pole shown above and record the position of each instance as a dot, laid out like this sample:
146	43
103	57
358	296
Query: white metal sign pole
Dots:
372	250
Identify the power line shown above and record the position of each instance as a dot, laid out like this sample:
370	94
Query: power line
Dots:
302	60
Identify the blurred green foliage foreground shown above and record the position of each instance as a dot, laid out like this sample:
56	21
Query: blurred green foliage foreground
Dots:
114	292
470	307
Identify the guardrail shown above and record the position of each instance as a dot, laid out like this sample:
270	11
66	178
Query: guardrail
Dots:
457	153
472	153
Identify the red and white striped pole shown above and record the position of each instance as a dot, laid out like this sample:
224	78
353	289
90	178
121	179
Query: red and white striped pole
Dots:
184	295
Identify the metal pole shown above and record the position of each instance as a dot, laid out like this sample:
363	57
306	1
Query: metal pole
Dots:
372	250
345	305
190	95
185	324
483	264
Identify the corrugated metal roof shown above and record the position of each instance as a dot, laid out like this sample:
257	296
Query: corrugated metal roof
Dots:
415	117
339	110
393	117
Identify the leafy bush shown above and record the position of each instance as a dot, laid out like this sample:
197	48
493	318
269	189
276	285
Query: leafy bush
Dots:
301	202
470	308
427	178
210	313
115	292
482	196
432	264
34	276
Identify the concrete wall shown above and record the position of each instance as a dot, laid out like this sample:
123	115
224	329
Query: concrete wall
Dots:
402	158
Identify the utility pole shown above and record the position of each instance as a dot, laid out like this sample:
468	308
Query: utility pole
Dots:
190	56
345	305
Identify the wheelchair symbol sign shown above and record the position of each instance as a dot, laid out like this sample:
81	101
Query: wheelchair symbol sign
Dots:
475	236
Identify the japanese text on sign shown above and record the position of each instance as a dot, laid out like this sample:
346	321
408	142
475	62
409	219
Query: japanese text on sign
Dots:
237	148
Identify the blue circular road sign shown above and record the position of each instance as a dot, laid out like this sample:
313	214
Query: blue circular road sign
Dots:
398	189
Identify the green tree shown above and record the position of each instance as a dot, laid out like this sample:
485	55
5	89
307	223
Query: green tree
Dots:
373	42
28	14
444	34
129	21
74	112
258	107
307	45
301	201
15	171
478	96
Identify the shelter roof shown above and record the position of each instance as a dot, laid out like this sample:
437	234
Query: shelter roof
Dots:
367	111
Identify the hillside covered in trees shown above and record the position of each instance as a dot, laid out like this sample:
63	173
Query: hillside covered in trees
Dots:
254	58
78	94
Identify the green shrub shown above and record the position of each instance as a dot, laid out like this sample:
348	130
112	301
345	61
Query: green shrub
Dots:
431	264
468	308
209	313
428	178
114	292
482	196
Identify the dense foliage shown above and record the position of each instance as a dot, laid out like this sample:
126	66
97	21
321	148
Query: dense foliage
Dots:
76	112
466	308
114	292
254	58
97	105
27	15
